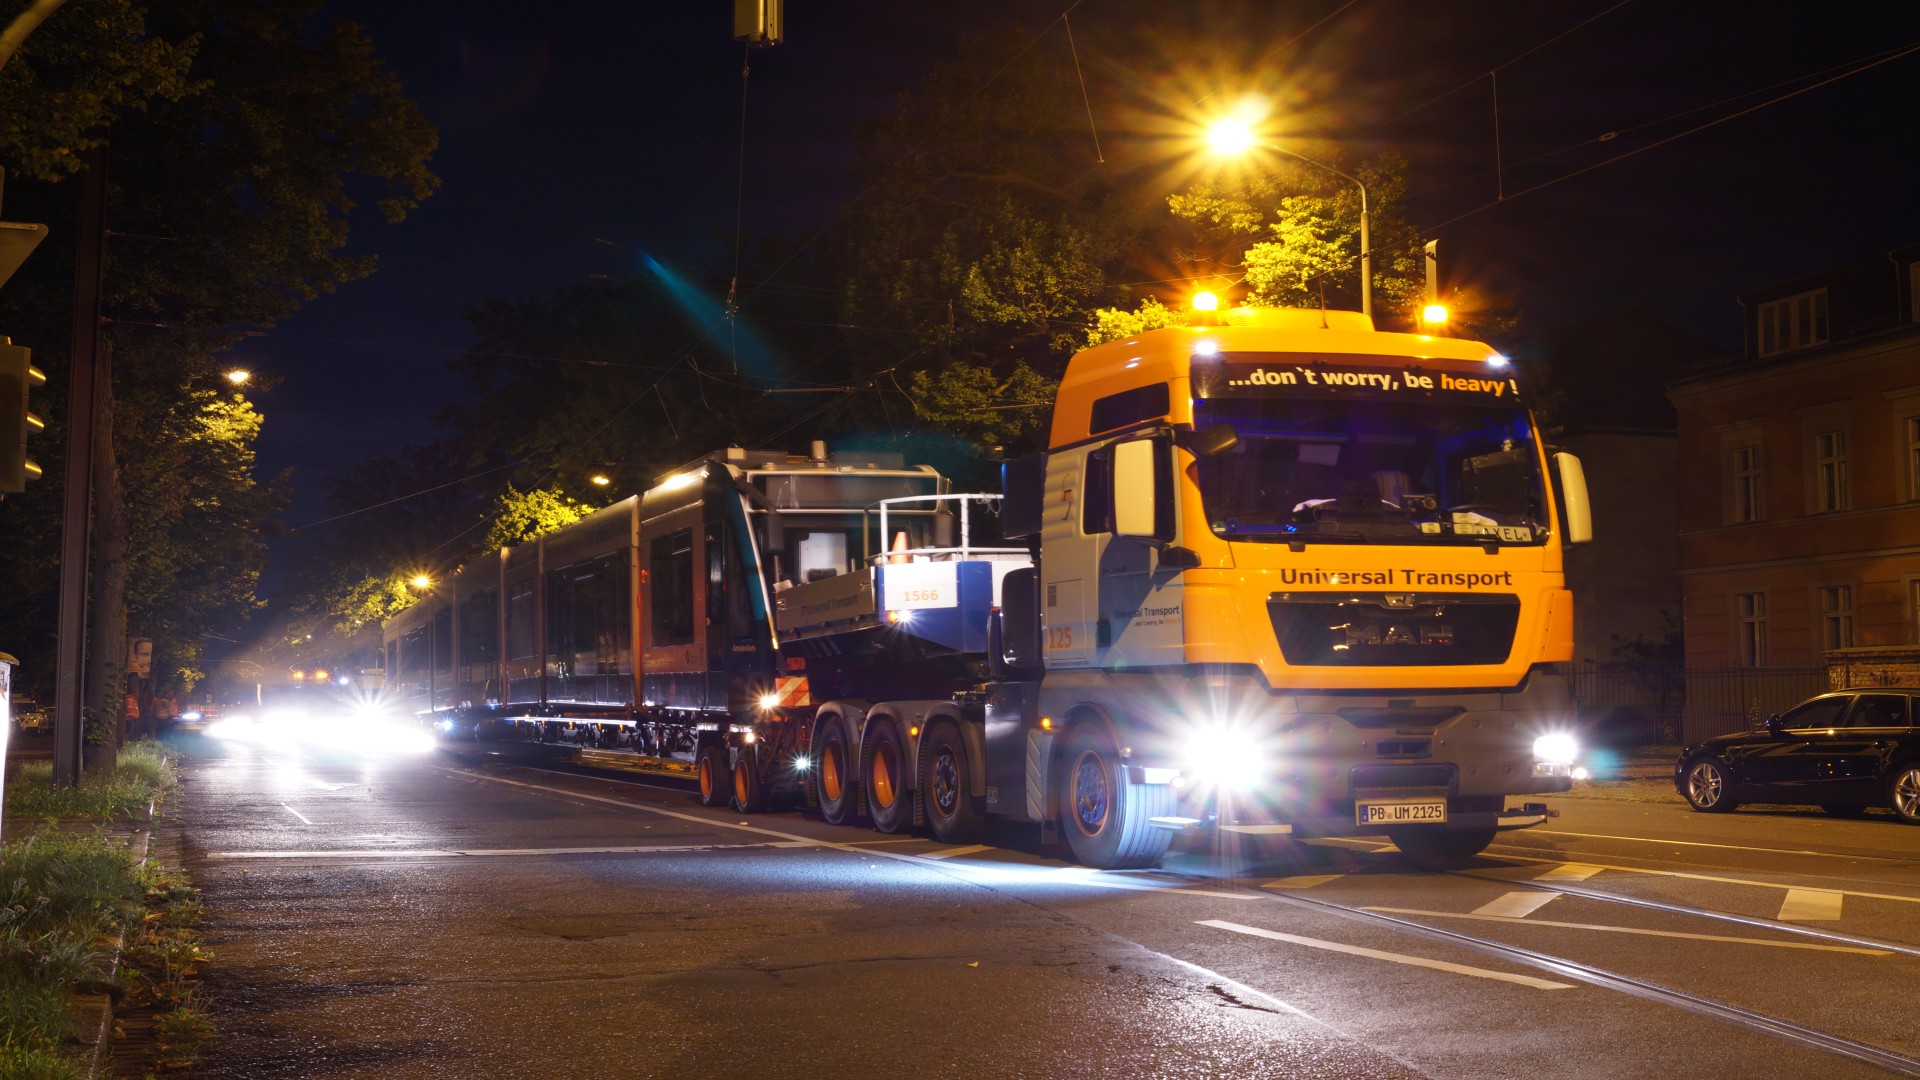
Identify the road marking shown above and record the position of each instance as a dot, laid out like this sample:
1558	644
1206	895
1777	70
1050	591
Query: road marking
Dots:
1517	905
303	818
1572	871
1636	930
455	853
884	840
1301	881
1810	905
970	849
1725	847
1075	874
1391	957
1721	880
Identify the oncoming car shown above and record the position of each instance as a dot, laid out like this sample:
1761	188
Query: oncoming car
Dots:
1843	752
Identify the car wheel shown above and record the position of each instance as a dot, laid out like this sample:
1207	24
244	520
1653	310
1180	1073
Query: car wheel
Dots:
1707	785
1905	790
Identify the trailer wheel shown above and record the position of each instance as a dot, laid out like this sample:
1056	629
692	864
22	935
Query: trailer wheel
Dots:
1103	813
953	810
712	770
747	796
833	772
887	775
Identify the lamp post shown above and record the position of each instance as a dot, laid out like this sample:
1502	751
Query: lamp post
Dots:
1234	136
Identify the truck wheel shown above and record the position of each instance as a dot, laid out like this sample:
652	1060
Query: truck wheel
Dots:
1439	848
1103	813
833	772
712	770
953	810
747	796
887	774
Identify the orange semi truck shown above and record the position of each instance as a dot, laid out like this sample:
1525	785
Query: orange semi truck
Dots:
1282	574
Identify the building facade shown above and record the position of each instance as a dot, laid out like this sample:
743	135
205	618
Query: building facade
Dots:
1800	480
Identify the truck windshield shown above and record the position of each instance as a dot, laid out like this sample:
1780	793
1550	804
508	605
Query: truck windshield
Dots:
1372	469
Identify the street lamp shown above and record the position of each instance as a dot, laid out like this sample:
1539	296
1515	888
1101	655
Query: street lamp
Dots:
1234	136
239	376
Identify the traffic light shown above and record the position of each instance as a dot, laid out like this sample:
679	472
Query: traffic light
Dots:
18	377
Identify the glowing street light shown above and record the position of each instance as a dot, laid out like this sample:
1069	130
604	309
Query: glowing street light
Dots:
1434	314
1234	136
1206	301
239	376
421	582
601	480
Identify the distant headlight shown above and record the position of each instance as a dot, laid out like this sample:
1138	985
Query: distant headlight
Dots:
190	714
1558	748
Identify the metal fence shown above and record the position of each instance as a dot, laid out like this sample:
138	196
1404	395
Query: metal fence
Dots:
1627	704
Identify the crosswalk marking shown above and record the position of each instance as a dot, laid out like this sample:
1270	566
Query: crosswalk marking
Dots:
1810	905
1572	871
1301	881
1517	905
1391	957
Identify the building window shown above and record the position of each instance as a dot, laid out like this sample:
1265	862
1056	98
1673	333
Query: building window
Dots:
1793	323
1751	641
1830	472
1745	469
1836	616
1912	426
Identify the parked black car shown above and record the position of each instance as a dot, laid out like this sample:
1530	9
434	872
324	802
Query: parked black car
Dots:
1842	752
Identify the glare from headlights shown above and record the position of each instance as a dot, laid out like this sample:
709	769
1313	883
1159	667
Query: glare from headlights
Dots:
1558	747
1227	757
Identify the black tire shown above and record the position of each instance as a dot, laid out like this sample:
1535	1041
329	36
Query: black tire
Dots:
887	776
1102	813
1439	847
748	796
1706	787
954	812
712	771
833	772
1903	793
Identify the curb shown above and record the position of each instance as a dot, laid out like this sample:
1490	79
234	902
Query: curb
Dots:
93	1013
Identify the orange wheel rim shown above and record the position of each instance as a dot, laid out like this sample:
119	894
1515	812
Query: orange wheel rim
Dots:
883	777
830	772
706	778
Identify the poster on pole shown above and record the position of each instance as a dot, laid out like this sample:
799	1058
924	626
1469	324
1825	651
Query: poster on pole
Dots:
140	656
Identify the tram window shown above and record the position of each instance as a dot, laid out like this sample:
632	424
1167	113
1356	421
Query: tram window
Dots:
443	640
521	639
413	650
393	660
479	626
670	578
822	555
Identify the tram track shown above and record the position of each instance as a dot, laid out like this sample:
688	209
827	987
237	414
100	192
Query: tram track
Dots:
1645	989
1763	1023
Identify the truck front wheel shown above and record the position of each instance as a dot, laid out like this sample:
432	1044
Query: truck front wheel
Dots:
1104	815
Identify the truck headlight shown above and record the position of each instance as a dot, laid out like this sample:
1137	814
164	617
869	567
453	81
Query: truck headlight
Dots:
1557	748
1227	758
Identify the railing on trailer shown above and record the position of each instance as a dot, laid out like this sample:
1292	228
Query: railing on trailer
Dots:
964	553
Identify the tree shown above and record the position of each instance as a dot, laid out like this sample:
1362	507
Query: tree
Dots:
235	126
520	516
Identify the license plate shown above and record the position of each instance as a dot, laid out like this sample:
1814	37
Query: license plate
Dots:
1402	812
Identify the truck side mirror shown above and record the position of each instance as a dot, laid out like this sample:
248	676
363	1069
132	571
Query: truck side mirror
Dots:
1573	499
1135	491
1211	441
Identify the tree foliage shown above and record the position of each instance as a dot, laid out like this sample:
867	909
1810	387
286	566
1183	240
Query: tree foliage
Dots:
520	516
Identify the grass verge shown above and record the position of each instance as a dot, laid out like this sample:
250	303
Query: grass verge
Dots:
142	775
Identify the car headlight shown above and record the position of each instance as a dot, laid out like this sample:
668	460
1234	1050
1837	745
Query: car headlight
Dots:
1556	748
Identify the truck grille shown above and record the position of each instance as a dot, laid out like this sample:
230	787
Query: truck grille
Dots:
1381	778
1393	629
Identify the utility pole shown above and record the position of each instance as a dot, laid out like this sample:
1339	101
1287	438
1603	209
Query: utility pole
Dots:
86	369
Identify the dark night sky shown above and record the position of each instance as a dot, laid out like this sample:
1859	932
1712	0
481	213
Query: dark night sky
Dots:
574	121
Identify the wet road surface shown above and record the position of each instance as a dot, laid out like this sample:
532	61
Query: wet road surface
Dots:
483	914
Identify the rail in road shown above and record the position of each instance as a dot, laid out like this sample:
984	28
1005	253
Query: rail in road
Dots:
1506	928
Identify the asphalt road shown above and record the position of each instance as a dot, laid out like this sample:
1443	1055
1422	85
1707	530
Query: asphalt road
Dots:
474	915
